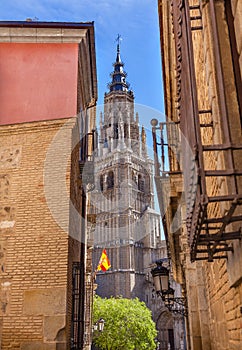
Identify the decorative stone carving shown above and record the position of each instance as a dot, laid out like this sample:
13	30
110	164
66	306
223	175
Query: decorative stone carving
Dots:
10	157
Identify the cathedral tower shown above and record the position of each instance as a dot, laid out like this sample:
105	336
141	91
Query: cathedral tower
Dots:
126	224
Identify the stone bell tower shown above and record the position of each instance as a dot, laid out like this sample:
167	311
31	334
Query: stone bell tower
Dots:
126	224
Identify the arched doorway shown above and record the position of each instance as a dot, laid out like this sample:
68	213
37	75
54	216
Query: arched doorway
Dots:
165	327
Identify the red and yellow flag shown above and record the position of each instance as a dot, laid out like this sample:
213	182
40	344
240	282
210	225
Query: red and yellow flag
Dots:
104	263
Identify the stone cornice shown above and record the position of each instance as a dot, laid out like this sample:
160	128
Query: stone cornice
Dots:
36	126
47	32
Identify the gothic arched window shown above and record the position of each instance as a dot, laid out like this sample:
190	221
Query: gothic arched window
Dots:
134	177
115	131
141	183
101	183
110	180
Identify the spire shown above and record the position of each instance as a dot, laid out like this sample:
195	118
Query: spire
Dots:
118	75
118	58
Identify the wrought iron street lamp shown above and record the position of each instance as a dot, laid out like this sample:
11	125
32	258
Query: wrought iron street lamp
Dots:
160	276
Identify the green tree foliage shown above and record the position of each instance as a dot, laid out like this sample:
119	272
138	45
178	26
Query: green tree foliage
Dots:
128	324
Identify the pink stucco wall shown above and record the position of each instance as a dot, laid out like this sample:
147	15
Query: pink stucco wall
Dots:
37	81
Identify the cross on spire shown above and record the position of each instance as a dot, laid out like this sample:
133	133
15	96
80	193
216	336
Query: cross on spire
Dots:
118	39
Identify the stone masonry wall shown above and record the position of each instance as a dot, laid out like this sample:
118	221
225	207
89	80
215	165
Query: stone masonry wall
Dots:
222	278
214	289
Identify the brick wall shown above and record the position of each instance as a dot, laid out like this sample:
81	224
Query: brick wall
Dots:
34	244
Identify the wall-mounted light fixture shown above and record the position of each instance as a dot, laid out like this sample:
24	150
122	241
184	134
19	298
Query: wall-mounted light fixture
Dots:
160	276
99	325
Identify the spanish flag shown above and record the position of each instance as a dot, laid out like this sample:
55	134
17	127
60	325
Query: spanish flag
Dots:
104	263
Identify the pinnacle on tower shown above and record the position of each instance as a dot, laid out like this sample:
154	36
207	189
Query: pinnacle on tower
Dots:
143	141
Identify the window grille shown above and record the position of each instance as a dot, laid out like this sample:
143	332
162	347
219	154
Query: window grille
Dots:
77	322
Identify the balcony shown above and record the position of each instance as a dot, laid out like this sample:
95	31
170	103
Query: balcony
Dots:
201	139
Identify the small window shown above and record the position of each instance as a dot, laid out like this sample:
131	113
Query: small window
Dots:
110	180
134	177
115	131
101	183
141	183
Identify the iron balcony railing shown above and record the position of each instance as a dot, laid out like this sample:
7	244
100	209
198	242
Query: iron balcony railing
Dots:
211	167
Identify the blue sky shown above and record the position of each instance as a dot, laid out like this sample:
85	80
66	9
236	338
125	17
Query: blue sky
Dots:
135	20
